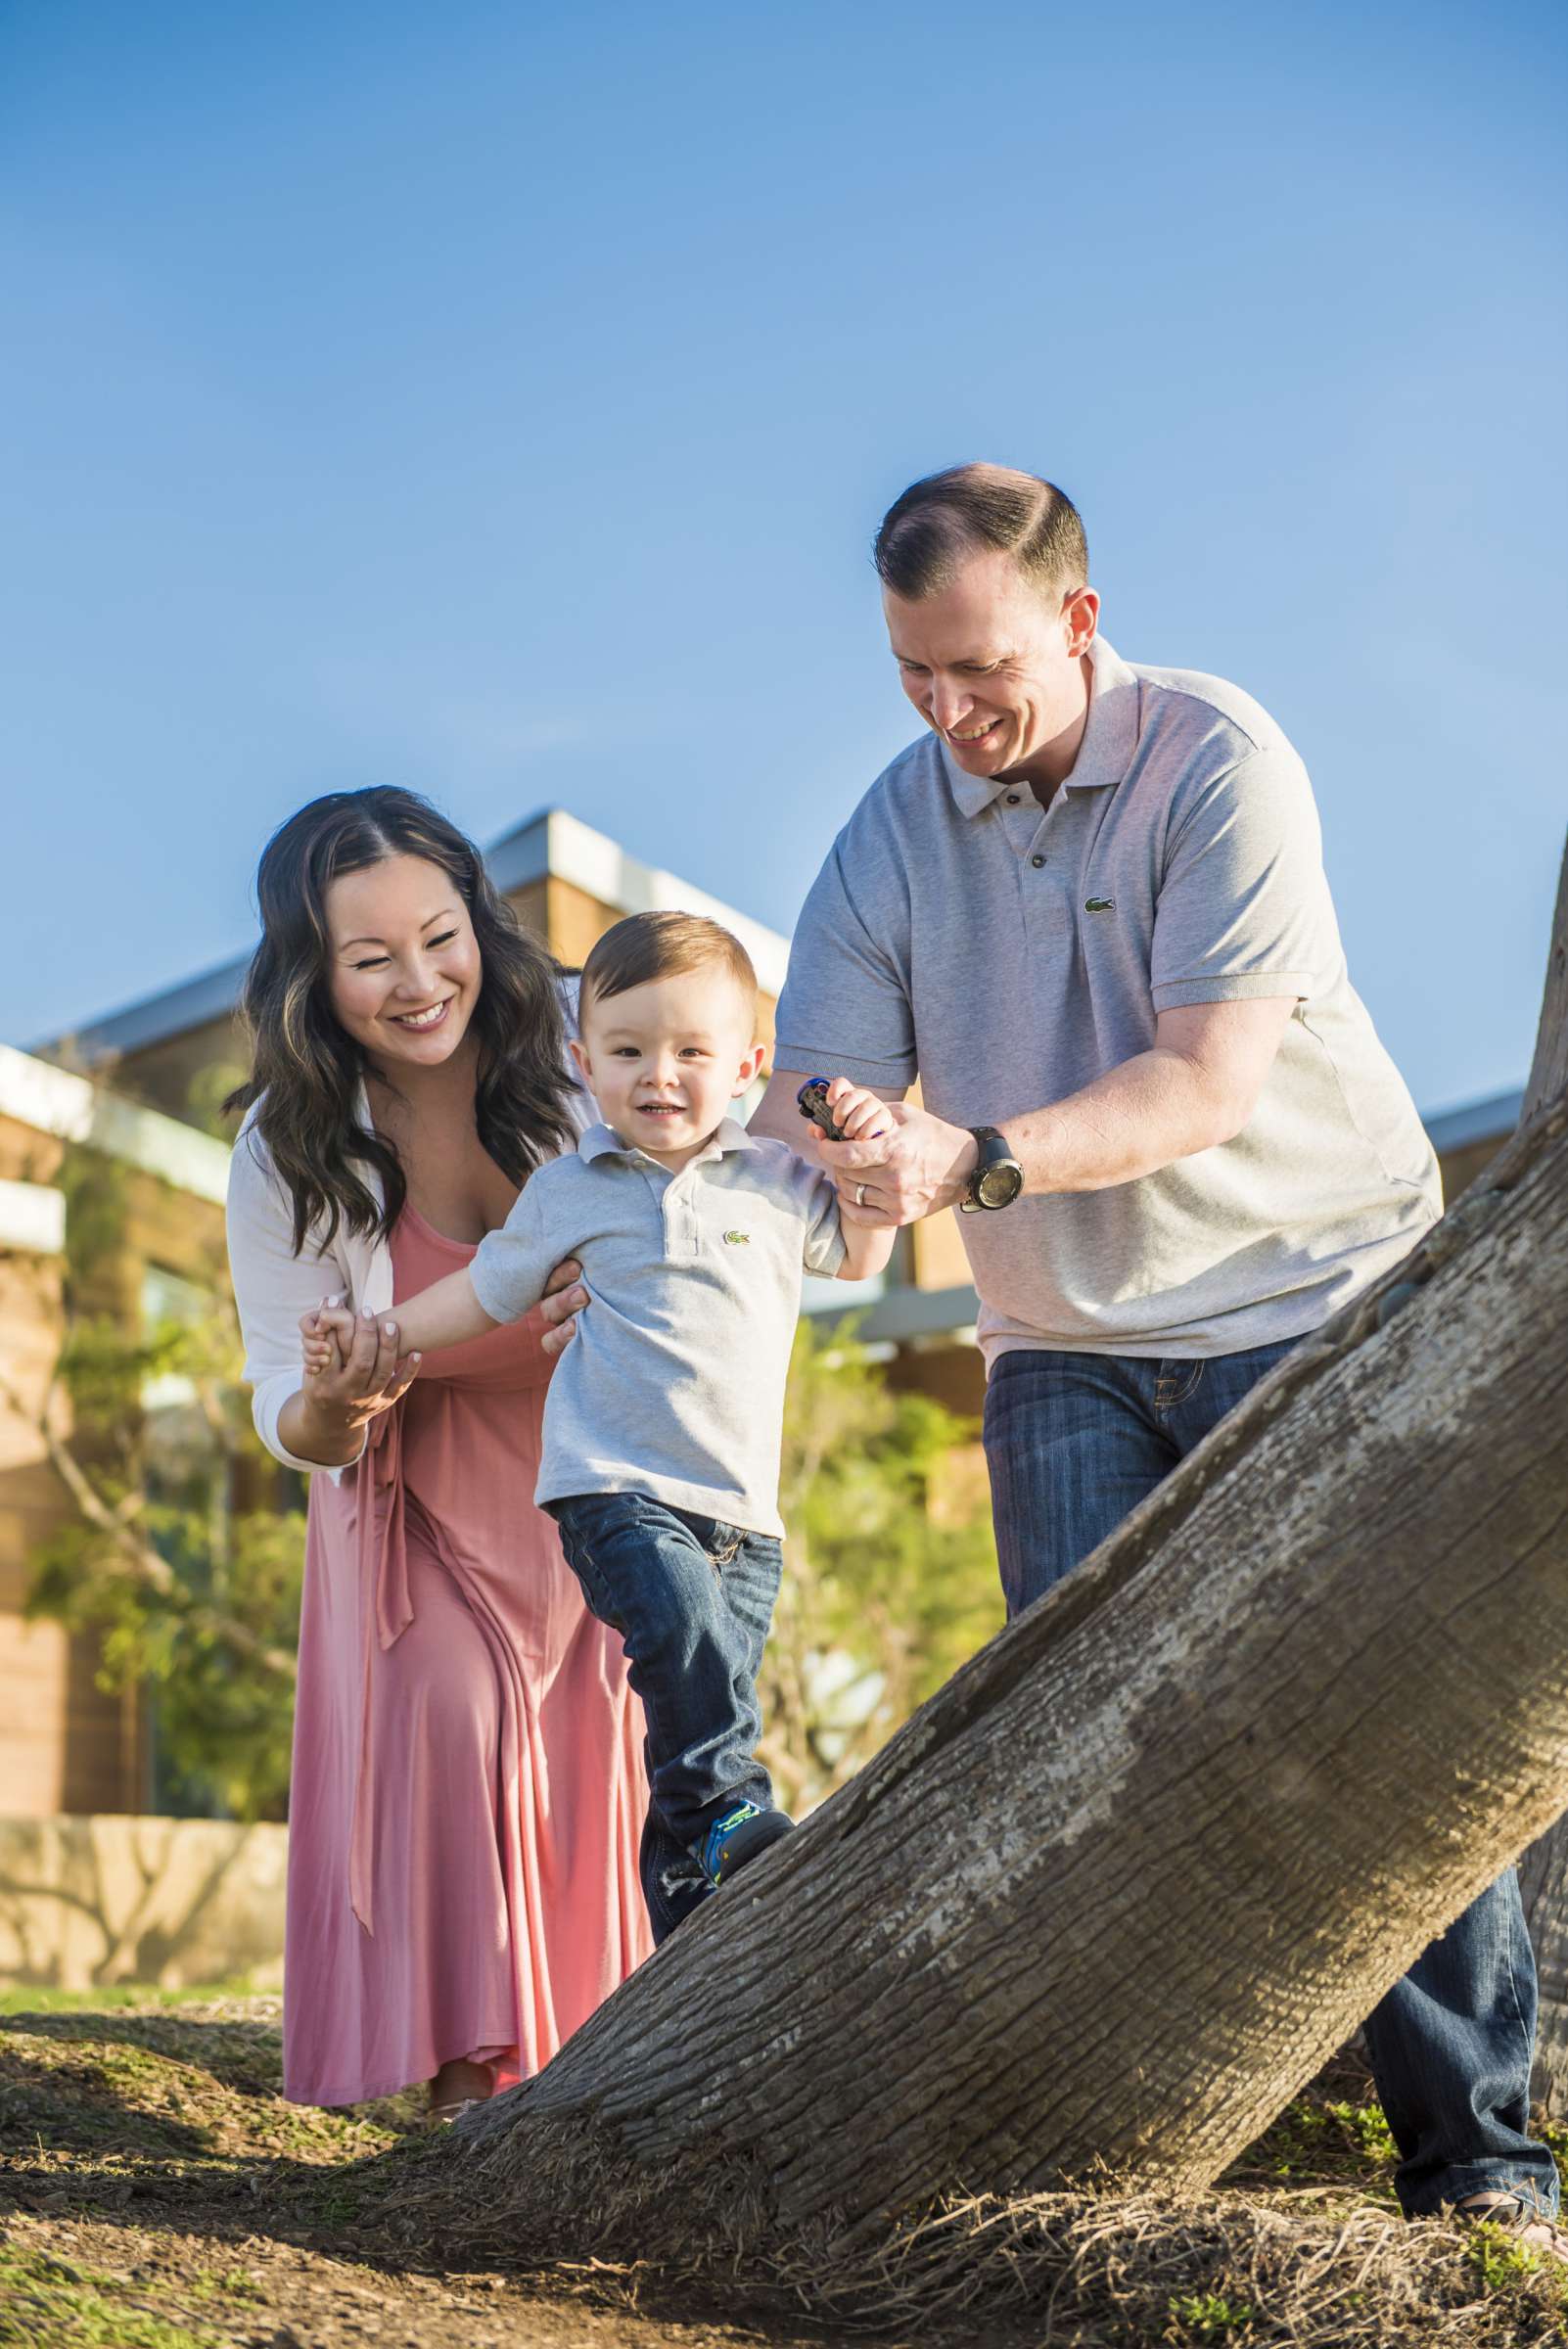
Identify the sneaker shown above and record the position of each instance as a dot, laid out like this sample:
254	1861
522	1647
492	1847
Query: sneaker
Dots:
1522	2220
737	1835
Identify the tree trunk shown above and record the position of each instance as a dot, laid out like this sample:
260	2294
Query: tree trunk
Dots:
1544	1869
1123	1885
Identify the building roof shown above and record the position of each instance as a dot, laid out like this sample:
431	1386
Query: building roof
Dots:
1485	1121
556	843
54	1101
550	845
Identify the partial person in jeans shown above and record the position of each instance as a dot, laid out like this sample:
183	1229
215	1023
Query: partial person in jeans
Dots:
1087	910
664	1420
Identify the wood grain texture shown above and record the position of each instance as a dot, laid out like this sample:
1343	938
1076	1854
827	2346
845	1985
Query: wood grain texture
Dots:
1549	1071
1544	1869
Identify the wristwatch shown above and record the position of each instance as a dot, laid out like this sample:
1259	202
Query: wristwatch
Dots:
997	1177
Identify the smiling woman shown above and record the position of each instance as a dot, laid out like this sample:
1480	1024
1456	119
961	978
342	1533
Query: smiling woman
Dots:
467	1776
378	927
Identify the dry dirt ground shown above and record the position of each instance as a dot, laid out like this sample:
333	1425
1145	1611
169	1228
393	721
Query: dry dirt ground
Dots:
157	2193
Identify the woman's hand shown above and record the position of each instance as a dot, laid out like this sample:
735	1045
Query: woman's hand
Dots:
564	1299
354	1372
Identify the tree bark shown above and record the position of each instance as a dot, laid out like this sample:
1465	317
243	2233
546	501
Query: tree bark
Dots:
1544	1869
1123	1885
1549	1071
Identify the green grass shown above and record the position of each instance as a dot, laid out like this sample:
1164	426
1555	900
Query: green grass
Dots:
1325	2140
34	1998
208	2284
1210	2317
48	2300
146	2090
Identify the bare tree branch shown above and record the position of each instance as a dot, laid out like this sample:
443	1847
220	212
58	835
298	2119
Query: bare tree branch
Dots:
136	1559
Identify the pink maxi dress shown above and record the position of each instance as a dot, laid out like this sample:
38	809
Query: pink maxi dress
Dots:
467	1785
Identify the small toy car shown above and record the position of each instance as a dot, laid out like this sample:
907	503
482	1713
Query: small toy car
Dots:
813	1103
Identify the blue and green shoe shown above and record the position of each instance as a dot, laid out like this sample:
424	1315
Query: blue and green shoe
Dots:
736	1836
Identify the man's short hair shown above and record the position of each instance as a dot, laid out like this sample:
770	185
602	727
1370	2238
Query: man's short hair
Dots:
659	946
940	521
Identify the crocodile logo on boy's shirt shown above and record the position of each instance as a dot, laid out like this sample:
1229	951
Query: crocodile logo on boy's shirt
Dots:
737	1239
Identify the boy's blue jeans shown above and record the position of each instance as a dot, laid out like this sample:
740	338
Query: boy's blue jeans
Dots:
1075	1440
693	1601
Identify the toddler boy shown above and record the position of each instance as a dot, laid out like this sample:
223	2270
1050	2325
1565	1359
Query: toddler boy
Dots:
663	1421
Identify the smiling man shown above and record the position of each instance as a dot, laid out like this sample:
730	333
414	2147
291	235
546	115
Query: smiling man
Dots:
1087	910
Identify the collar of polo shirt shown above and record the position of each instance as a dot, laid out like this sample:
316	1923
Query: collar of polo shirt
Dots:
1103	756
602	1141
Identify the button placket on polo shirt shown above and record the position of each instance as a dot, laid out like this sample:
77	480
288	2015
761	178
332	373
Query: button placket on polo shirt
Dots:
1045	881
682	1191
1021	821
1027	827
660	1185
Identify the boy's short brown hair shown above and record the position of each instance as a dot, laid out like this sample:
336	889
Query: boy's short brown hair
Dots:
659	946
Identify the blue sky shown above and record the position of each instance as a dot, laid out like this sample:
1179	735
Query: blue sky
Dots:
500	402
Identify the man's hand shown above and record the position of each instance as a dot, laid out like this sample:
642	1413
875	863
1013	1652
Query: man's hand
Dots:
918	1166
564	1299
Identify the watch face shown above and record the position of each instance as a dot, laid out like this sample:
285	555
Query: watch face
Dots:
1000	1186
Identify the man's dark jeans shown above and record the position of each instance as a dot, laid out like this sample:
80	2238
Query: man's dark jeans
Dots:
1075	1440
693	1601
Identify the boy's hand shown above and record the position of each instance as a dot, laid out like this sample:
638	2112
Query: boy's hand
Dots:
861	1118
354	1364
327	1336
857	1113
354	1370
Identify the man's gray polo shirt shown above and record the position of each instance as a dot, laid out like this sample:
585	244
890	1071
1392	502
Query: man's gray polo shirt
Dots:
673	1383
1008	956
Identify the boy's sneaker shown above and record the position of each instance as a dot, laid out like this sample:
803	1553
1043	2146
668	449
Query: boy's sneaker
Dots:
737	1835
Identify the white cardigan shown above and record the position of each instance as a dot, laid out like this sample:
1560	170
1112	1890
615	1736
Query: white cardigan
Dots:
273	1287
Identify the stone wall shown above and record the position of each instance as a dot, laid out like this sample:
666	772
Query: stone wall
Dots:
172	1902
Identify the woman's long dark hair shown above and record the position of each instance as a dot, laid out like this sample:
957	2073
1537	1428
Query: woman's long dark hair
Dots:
305	1069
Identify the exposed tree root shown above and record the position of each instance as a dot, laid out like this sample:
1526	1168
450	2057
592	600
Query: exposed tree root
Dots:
1308	2268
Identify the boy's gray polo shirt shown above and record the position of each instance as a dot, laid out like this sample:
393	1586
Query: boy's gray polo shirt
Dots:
673	1383
1008	956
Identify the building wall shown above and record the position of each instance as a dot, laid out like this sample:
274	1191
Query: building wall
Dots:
66	1744
90	1901
569	922
184	1075
61	1738
1462	1166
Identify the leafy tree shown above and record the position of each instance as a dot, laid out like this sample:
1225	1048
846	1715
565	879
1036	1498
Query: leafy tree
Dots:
181	1550
890	1580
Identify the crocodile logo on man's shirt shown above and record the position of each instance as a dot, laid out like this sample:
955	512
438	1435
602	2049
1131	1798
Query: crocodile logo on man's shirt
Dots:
737	1239
1099	904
